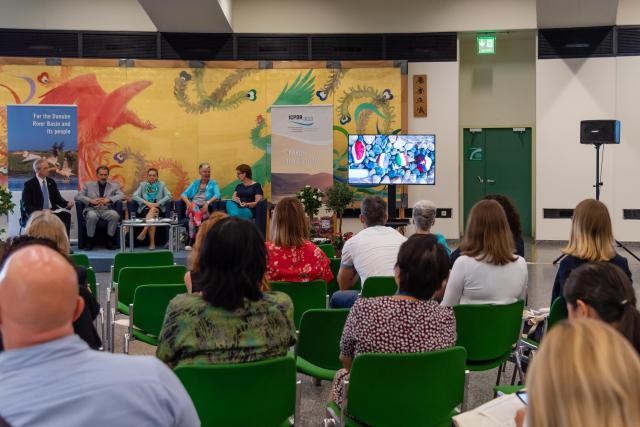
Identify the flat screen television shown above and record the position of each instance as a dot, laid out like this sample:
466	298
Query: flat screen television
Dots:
392	159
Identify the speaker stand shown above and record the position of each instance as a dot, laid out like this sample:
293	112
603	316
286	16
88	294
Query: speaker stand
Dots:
597	185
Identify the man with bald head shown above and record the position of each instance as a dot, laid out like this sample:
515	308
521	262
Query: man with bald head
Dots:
50	377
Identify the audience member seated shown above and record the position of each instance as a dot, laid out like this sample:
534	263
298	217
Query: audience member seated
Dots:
291	256
424	216
45	225
246	196
197	198
591	239
513	218
408	322
602	291
371	252
487	271
233	321
50	377
194	257
152	197
99	198
585	374
41	192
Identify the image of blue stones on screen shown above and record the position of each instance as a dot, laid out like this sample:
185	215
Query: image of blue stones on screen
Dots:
392	159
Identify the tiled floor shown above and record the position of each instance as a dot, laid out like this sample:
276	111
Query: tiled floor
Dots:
541	275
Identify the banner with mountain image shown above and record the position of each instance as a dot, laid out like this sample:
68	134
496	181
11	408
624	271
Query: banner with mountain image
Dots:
301	148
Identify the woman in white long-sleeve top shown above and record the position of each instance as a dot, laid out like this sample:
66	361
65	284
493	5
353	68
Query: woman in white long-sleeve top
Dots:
487	272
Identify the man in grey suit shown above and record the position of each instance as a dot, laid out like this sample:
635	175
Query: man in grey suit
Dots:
99	197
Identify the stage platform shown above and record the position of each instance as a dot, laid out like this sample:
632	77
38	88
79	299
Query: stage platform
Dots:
101	259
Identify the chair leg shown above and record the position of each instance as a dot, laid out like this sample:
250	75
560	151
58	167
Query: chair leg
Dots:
126	343
106	332
465	396
296	415
317	382
343	409
500	368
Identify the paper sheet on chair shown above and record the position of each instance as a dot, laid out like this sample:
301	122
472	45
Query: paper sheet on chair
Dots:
499	412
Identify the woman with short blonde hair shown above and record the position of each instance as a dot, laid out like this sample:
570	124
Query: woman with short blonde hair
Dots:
44	224
424	216
291	256
487	272
591	239
585	374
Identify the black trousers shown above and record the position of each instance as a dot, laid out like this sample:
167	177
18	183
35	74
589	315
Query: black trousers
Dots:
65	217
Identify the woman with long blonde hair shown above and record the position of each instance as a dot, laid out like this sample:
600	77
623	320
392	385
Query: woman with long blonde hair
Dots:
487	271
585	374
291	256
591	239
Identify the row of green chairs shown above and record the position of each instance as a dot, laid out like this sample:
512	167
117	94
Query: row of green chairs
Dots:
83	261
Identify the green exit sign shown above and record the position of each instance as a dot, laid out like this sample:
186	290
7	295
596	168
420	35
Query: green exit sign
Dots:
486	45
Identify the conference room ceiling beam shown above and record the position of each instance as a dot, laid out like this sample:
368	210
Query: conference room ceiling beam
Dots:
576	13
189	16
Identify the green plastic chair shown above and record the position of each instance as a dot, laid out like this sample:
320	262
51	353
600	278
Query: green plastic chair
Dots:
146	314
80	259
489	333
333	286
138	259
328	250
220	392
410	389
132	277
557	312
305	296
379	286
318	346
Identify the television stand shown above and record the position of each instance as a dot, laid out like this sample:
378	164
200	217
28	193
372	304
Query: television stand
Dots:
391	209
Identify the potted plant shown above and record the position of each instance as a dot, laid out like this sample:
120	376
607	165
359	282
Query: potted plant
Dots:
339	196
6	204
311	199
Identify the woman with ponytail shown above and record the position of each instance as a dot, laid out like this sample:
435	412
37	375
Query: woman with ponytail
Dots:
603	291
233	321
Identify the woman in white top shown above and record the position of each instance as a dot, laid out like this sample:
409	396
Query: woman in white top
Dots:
487	272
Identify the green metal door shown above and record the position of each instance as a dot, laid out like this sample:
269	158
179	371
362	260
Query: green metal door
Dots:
498	161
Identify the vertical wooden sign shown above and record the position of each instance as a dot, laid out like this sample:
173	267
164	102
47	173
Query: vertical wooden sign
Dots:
420	95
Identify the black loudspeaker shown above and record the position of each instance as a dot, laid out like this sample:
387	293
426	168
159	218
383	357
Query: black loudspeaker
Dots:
600	132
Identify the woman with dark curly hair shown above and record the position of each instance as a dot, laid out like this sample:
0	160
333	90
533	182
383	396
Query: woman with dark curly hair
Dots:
233	321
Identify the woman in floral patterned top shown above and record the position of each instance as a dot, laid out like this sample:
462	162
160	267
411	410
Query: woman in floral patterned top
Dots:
408	322
292	257
232	321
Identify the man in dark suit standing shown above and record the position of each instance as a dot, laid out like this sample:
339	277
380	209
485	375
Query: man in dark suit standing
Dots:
41	192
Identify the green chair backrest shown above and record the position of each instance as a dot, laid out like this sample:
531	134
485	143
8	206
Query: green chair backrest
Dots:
378	286
488	332
91	280
80	259
319	337
333	286
305	296
410	389
254	394
139	259
328	250
150	305
132	277
557	312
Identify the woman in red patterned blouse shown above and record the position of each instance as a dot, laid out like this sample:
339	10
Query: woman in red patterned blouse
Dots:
408	322
292	257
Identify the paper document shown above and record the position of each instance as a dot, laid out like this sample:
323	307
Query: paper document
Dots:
61	210
499	412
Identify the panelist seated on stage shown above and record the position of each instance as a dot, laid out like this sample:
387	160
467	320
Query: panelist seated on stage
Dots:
100	198
152	197
246	196
41	192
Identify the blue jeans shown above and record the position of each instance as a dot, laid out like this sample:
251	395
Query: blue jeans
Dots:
233	209
343	299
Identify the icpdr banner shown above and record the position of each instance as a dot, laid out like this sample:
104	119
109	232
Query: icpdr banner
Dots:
43	132
301	148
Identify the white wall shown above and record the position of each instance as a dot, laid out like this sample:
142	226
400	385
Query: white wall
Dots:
568	91
96	15
442	120
628	12
372	16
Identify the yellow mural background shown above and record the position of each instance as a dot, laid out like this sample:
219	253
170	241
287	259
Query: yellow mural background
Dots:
226	133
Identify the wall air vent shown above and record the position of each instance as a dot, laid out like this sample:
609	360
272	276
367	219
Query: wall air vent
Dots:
575	42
